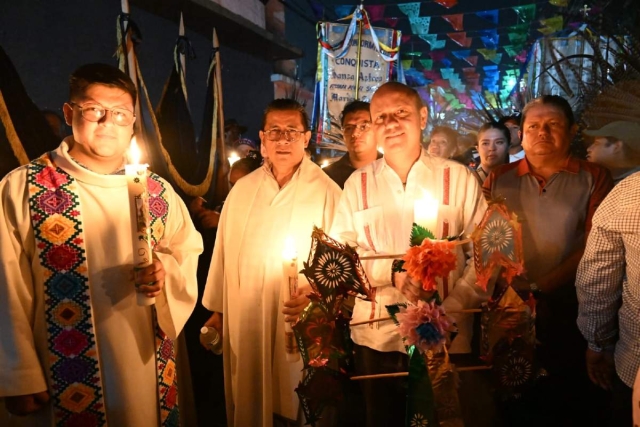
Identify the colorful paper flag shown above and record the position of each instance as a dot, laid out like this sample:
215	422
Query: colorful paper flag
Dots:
490	38
420	25
343	11
489	15
461	39
559	3
427	63
447	3
412	10
454	20
526	13
376	12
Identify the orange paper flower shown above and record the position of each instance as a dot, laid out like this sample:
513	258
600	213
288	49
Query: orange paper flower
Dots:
430	260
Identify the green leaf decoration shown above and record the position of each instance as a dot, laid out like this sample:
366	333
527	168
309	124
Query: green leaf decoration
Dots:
419	233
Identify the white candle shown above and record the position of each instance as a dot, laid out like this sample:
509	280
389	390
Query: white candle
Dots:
136	174
233	158
289	288
425	212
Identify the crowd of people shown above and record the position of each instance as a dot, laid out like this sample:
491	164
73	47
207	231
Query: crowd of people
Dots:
77	349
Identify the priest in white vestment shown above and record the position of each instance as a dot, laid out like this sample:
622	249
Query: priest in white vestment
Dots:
286	197
375	215
100	112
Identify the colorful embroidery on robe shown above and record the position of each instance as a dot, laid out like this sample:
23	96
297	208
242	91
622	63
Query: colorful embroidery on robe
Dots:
76	381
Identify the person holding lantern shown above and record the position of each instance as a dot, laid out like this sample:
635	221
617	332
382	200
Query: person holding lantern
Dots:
76	348
379	205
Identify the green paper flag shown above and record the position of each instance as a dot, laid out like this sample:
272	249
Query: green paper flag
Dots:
488	54
526	13
512	50
427	63
420	398
518	38
406	63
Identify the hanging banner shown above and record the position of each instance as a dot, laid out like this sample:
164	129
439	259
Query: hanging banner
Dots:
354	60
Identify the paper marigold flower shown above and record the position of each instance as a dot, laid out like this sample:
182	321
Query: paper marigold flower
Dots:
430	260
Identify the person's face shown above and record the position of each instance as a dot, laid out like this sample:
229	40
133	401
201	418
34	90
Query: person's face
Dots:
440	146
282	153
603	152
231	135
359	142
397	122
546	131
492	147
514	130
102	140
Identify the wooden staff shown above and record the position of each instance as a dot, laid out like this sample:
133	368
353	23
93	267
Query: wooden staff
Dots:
470	310
406	374
399	256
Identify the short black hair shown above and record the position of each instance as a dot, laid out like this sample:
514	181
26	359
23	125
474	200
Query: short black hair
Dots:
285	104
554	100
352	107
516	118
250	163
101	74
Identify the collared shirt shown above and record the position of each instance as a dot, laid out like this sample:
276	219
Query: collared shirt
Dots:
375	215
556	213
608	279
515	157
341	170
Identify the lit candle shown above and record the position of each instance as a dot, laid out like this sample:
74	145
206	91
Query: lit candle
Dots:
324	164
289	288
381	150
233	158
425	212
136	174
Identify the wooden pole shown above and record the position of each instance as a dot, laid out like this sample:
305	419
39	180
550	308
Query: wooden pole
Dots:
406	374
399	256
467	311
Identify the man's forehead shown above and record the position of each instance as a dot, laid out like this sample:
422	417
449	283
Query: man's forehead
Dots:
288	117
545	110
390	98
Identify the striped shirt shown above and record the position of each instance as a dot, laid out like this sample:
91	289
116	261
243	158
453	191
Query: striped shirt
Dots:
608	280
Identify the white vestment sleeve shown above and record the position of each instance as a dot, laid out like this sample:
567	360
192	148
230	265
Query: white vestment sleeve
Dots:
20	369
212	298
178	251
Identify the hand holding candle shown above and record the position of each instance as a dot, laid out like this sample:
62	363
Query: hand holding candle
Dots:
136	174
289	288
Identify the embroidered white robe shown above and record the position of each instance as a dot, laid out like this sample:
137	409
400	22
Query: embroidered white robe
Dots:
124	331
245	280
378	220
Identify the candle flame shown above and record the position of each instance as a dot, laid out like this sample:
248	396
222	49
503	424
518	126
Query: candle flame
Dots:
324	164
233	158
381	150
289	251
134	152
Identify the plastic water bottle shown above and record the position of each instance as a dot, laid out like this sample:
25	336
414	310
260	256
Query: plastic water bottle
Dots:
211	338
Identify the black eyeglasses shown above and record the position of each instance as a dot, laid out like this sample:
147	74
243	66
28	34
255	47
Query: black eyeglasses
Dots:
290	135
95	112
361	127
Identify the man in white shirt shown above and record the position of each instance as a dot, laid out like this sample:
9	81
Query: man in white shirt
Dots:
376	213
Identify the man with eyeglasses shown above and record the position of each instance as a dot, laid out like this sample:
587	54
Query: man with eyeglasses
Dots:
375	215
76	348
283	199
361	147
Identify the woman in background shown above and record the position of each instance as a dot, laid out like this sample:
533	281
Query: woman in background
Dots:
493	147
